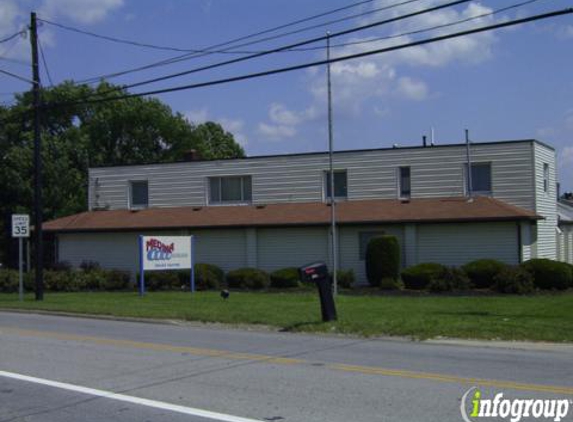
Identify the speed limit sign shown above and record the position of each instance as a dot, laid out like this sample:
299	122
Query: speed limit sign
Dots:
20	225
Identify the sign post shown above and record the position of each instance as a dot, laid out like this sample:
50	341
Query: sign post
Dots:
163	253
20	229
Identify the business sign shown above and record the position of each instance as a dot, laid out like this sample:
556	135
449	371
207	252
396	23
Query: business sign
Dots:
166	252
20	225
163	253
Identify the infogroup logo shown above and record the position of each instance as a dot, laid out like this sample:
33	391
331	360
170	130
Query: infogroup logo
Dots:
514	410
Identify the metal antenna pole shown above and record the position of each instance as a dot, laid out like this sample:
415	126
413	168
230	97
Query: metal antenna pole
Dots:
331	181
37	161
470	185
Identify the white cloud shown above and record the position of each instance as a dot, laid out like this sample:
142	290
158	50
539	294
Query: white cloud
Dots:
279	114
566	157
412	89
234	126
284	122
569	119
197	116
12	20
82	11
276	132
387	75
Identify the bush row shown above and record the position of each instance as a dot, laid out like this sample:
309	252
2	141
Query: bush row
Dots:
68	280
91	277
543	274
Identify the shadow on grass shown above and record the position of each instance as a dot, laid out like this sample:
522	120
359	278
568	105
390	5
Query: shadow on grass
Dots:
298	325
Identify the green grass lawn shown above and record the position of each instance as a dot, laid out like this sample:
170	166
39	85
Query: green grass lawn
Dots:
540	317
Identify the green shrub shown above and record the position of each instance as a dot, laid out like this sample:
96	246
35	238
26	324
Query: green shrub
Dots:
418	277
382	259
389	283
115	280
63	281
248	278
208	277
482	272
514	280
90	265
548	274
93	279
60	266
449	280
345	279
9	281
161	280
285	278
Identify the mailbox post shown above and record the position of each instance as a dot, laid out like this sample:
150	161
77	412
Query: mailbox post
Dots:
318	273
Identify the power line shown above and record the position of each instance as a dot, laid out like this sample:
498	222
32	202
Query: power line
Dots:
22	78
422	30
16	61
211	49
11	37
298	44
44	62
208	51
323	62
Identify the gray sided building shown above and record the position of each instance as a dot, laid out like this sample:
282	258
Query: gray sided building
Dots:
273	212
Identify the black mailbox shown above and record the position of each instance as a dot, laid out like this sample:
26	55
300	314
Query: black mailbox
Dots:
312	272
317	272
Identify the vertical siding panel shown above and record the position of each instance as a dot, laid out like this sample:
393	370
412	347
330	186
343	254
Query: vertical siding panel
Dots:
457	244
546	202
291	247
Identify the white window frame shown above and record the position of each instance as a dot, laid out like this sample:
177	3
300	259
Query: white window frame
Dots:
224	203
546	178
326	179
399	182
130	203
466	178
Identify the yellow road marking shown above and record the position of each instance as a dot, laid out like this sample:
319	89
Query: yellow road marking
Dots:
152	346
452	379
368	370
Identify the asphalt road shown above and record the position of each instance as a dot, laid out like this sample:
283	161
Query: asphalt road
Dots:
75	369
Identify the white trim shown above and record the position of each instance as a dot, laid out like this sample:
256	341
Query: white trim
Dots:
128	399
326	198
130	194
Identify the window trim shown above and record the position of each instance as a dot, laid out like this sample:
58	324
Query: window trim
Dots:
399	182
130	203
466	178
221	202
326	182
546	178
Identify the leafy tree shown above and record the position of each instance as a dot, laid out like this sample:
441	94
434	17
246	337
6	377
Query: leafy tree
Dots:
77	135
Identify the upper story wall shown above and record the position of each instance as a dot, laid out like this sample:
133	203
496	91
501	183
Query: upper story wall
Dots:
435	172
545	200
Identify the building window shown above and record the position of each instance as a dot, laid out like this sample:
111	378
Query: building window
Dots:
230	189
545	177
404	182
481	178
363	239
138	194
340	184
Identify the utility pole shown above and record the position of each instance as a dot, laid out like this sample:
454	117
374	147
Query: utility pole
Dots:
331	181
37	160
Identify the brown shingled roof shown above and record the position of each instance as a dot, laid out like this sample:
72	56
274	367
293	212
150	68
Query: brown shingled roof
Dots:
310	213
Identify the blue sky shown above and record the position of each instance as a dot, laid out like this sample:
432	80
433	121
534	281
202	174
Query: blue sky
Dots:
511	84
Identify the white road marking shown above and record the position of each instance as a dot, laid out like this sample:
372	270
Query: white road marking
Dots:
128	399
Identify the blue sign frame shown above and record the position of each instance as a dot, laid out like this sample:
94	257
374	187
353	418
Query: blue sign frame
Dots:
142	271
